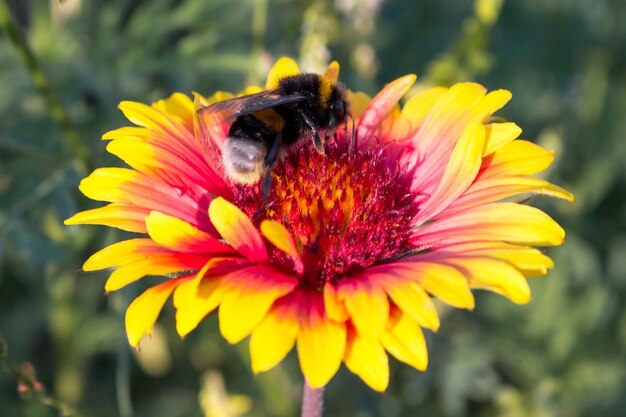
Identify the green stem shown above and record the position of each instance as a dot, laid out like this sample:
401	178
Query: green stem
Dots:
122	383
57	111
259	26
122	367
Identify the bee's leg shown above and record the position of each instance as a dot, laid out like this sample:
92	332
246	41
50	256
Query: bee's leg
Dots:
266	182
317	140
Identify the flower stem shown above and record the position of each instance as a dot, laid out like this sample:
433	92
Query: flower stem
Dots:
312	401
57	111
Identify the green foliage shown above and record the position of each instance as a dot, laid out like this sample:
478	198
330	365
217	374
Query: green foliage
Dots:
564	354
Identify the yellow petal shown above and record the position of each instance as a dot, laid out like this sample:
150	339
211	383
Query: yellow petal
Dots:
519	157
415	111
443	281
237	229
383	103
144	310
241	312
321	346
358	103
447	284
142	115
273	338
332	72
500	134
491	103
415	302
178	235
137	153
404	339
196	298
366	303
530	261
122	216
149	117
214	98
459	174
335	308
284	67
192	309
105	184
132	271
366	357
280	237
178	105
251	293
495	275
120	253
251	89
130	132
449	116
508	222
488	190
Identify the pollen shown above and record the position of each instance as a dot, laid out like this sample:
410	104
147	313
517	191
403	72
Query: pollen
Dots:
347	210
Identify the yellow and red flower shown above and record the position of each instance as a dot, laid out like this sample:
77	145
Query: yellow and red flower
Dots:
351	246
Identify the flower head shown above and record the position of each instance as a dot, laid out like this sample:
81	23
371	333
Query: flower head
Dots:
350	246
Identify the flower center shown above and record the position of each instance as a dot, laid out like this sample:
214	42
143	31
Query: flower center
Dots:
346	210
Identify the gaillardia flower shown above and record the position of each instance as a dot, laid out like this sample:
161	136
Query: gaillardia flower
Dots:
349	248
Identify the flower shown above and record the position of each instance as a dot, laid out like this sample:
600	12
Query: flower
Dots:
350	246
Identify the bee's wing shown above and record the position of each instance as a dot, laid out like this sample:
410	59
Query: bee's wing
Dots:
210	130
213	120
239	106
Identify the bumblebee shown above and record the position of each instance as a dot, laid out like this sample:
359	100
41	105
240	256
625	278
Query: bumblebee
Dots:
302	106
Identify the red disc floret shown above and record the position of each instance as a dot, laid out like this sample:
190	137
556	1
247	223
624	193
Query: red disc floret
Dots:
346	210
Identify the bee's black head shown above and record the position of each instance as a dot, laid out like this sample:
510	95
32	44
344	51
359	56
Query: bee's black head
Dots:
338	109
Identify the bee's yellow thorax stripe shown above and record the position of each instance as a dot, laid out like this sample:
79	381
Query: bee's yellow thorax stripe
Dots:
326	87
271	119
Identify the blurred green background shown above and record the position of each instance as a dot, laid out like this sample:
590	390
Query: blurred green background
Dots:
564	354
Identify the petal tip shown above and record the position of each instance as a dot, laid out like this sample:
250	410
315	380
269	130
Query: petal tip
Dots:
332	72
71	221
406	80
522	300
283	67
